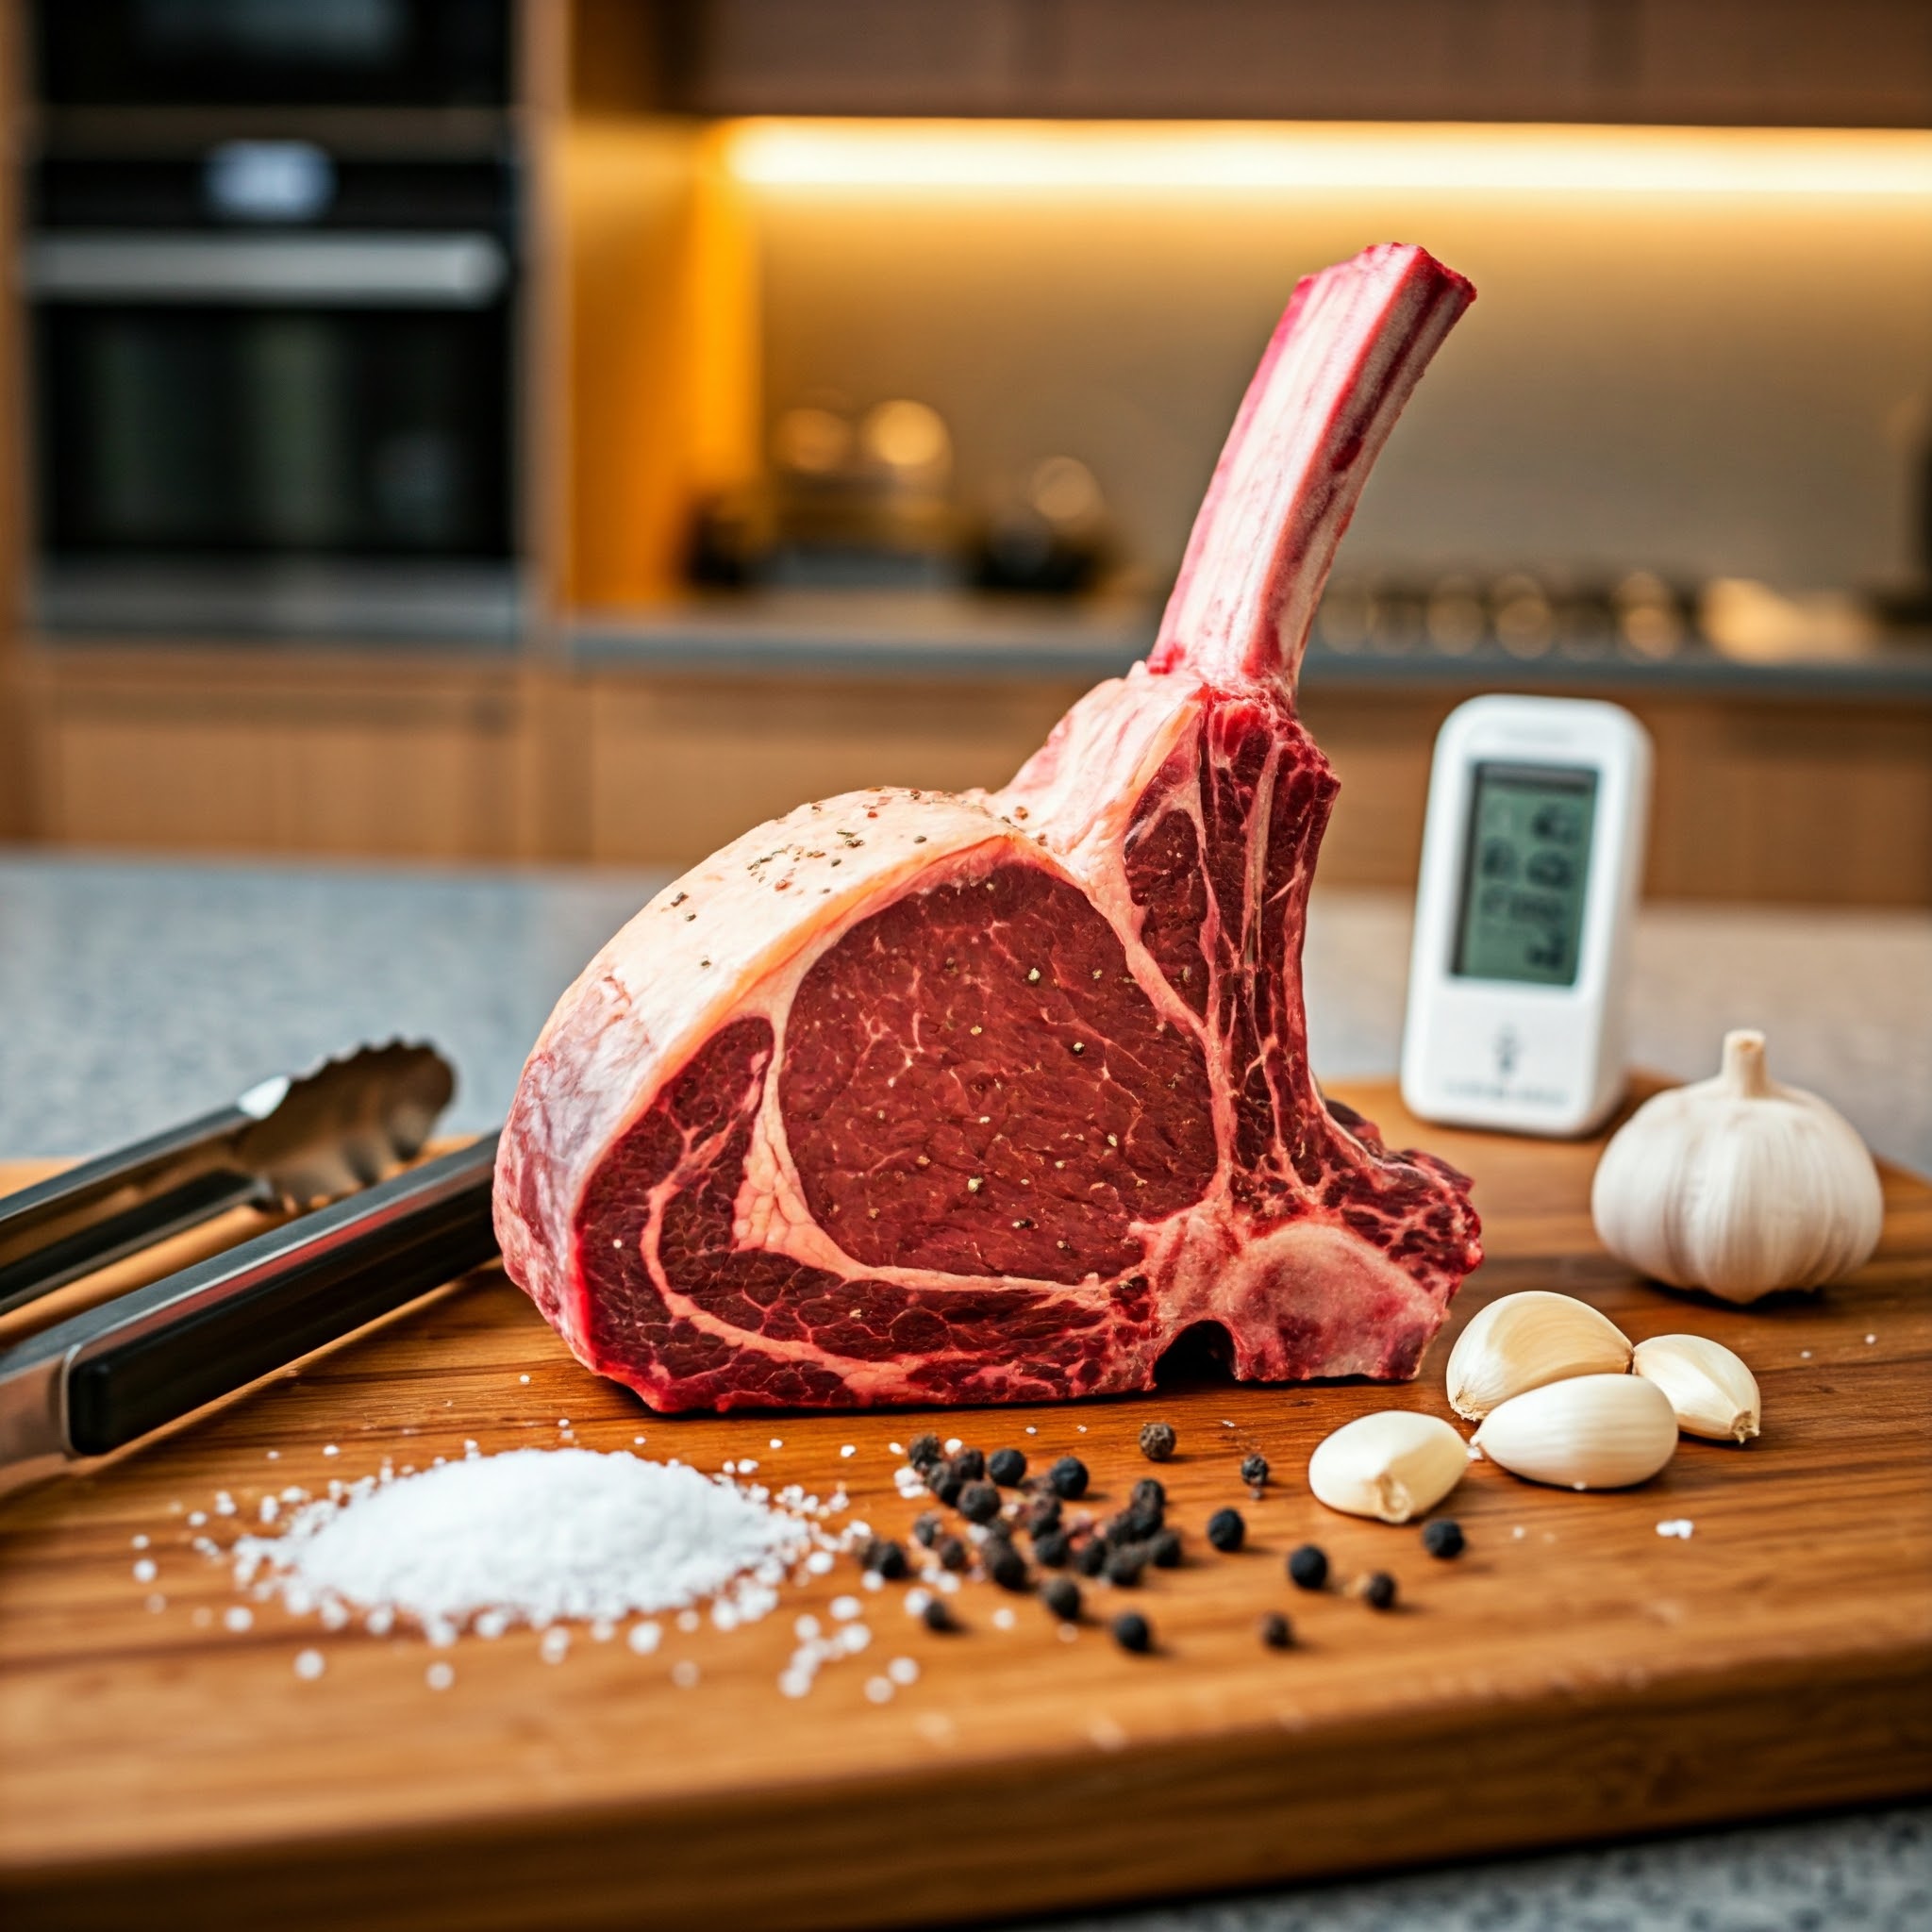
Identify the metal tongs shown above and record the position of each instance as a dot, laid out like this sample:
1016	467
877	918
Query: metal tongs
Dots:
99	1379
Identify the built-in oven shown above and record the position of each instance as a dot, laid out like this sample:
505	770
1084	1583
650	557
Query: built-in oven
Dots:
273	389
263	53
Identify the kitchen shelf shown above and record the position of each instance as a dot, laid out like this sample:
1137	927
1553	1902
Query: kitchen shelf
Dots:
934	635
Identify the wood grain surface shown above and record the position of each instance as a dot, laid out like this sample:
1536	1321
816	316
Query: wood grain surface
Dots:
1574	1676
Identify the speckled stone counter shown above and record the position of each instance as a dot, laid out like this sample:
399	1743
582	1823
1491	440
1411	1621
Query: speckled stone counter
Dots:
133	996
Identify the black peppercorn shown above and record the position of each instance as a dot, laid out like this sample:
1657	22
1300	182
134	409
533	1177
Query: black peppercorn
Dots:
1132	1631
979	1501
923	1452
952	1552
1378	1587
886	1557
936	1616
1004	1564
1041	1515
1164	1549
1051	1549
1226	1531
945	1483
970	1463
1005	1467
1062	1597
1156	1442
1149	1493
1253	1471
1276	1631
1068	1477
1124	1565
926	1530
1442	1538
1308	1567
1090	1560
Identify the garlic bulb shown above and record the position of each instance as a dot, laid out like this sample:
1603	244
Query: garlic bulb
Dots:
1526	1339
1713	1393
1737	1185
1592	1432
1393	1465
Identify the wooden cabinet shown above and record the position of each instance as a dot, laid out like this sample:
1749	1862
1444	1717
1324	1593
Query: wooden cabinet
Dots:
1756	62
357	756
238	751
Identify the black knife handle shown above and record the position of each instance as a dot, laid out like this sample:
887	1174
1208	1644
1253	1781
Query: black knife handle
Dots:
160	1352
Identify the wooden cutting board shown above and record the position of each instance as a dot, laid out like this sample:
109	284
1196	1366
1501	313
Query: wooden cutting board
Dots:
1575	1674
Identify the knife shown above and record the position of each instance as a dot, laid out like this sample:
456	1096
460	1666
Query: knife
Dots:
102	1379
287	1142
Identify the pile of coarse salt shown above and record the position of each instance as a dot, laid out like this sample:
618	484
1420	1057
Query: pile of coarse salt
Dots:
532	1536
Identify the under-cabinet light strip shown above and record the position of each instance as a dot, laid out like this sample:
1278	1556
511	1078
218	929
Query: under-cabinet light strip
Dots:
1032	157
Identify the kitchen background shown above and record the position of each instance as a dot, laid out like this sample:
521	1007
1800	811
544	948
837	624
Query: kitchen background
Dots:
455	430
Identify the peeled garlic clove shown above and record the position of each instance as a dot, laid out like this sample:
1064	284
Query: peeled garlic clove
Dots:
1712	1393
1392	1465
1737	1185
1592	1432
1524	1341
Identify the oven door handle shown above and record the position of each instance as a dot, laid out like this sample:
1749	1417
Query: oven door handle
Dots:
342	270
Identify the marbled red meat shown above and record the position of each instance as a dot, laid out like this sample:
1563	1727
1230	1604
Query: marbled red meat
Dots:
921	1097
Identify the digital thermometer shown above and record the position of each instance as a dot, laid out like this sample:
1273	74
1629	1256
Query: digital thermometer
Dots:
1532	855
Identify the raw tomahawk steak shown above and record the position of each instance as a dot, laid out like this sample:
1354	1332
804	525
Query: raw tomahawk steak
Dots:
920	1097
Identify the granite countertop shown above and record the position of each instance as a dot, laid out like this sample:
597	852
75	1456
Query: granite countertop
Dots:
133	996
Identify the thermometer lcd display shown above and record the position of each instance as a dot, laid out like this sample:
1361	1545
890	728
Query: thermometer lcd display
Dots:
1524	875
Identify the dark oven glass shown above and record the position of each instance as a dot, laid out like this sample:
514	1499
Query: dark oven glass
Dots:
174	430
256	53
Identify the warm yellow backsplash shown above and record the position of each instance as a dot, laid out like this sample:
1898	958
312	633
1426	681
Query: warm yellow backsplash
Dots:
1706	352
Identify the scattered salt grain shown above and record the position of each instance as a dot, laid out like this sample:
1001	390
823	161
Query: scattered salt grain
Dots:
144	1570
555	1644
644	1638
819	1562
954	1445
139	1542
688	1621
439	1676
777	1443
603	1630
849	1449
522	1378
1804	1355
238	1617
381	1621
157	1602
844	1609
853	1638
275	1455
1870	1338
1677	1526
903	1670
532	1536
309	1665
1517	1532
879	1689
897	1448
270	1509
1003	1618
916	1602
330	1449
196	1518
225	1503
1031	1430
684	1673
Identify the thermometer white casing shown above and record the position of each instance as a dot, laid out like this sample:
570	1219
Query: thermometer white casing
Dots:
1508	1051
